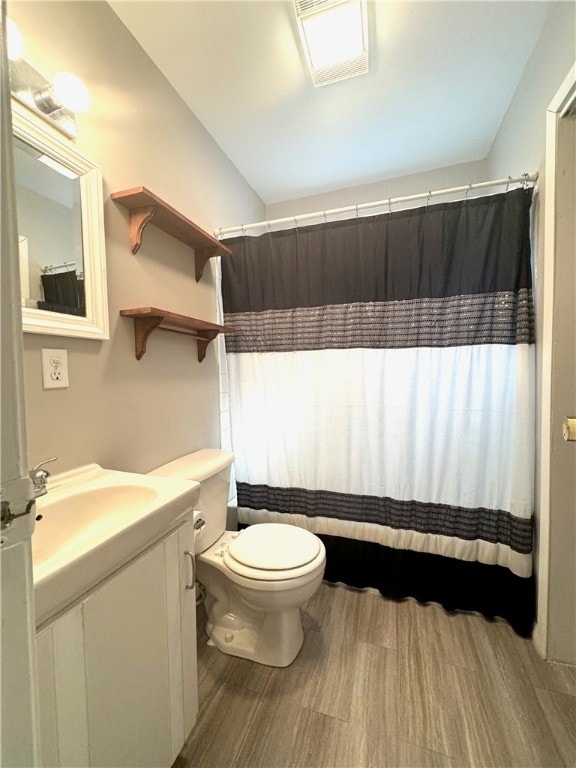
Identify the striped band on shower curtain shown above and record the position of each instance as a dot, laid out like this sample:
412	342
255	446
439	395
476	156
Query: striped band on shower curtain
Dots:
382	395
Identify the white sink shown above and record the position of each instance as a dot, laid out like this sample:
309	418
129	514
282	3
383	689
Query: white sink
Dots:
92	521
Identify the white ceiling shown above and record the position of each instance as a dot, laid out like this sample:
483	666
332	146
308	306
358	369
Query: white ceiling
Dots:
442	75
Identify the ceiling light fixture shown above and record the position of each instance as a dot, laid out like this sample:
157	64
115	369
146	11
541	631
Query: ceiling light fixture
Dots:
334	35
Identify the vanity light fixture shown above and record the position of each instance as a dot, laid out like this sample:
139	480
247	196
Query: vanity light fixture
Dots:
57	101
334	35
67	92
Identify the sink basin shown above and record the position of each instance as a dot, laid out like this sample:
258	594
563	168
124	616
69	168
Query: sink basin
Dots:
71	523
94	520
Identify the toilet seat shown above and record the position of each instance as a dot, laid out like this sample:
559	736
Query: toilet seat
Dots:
273	552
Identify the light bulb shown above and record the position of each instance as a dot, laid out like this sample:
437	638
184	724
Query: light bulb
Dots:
15	43
71	92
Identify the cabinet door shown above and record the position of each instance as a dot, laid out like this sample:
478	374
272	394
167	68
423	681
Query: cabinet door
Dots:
62	692
117	673
49	755
181	597
127	667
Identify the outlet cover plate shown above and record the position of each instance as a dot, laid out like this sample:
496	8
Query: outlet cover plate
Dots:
55	368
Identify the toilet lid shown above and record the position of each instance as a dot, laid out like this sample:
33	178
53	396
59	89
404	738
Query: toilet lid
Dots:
274	547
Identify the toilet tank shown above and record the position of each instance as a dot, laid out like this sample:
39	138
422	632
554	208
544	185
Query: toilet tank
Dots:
211	468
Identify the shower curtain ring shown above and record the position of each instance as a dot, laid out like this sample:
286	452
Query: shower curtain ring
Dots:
467	191
243	230
508	184
389	205
325	219
428	198
357	214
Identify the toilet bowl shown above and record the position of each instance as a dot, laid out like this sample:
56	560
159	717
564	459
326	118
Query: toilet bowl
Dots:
254	602
256	579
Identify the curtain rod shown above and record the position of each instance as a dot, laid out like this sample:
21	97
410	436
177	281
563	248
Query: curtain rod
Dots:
525	178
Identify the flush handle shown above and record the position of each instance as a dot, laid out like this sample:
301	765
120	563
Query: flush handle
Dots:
193	563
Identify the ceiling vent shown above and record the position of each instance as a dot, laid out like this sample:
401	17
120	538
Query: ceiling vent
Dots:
304	7
334	35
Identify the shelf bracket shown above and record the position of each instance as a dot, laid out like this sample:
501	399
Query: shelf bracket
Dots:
203	342
143	327
138	219
201	256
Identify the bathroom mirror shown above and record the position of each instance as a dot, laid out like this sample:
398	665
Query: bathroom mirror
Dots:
60	233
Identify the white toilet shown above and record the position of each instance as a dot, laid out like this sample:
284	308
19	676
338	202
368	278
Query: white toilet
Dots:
256	579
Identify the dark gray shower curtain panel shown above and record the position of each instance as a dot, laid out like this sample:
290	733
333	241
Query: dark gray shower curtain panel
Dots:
382	395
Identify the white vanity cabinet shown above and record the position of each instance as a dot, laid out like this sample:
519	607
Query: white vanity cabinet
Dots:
117	672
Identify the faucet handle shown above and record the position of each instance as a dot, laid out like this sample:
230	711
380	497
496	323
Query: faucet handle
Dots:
41	464
39	477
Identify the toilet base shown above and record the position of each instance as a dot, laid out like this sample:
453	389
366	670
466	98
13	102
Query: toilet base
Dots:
275	642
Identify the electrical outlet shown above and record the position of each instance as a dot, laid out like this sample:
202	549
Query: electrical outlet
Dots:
55	368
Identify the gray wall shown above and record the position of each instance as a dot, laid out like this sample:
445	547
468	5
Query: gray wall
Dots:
441	178
521	140
119	412
521	145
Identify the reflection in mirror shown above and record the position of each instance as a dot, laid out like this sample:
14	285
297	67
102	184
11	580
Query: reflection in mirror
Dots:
61	233
49	232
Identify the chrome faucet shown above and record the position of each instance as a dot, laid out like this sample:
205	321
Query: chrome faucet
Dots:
40	477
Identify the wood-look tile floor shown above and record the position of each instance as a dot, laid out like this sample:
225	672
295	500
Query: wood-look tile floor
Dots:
384	684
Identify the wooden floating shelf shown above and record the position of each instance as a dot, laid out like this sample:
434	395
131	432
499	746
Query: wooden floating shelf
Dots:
148	319
145	207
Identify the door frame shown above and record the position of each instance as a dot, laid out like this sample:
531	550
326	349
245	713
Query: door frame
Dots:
559	106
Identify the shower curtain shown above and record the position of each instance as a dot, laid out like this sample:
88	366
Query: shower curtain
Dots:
381	387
